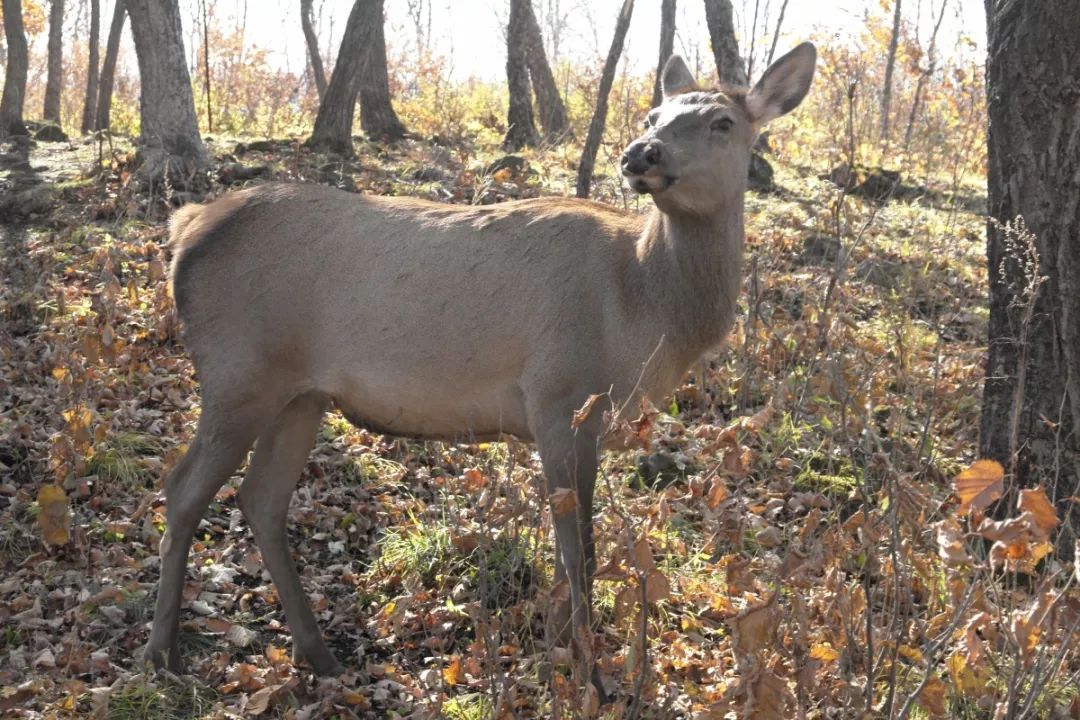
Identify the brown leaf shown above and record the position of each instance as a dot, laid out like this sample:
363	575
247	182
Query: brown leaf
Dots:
717	494
979	485
54	519
1042	510
932	698
950	541
754	627
625	601
563	500
643	559
582	413
657	587
259	701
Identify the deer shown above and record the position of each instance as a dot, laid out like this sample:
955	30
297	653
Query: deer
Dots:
435	321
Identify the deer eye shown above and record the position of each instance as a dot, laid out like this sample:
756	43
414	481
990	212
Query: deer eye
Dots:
721	124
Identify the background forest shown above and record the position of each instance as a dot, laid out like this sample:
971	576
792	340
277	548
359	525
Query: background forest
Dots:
832	517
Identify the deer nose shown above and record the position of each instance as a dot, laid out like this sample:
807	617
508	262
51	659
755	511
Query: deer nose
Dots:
640	157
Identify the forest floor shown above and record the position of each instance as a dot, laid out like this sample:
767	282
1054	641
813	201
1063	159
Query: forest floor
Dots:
790	519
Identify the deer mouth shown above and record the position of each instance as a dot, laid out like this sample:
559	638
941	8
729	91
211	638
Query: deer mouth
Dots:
648	183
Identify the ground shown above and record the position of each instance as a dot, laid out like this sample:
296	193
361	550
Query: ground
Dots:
789	528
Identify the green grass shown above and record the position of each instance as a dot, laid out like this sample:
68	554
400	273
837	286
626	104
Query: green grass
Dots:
119	458
468	707
161	698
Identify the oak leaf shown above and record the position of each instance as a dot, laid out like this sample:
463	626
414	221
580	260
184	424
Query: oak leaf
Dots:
979	485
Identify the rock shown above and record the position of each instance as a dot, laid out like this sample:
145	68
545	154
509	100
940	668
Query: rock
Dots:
50	133
24	204
660	470
516	164
428	173
820	249
761	173
871	183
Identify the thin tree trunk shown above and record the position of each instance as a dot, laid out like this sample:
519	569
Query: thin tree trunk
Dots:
719	18
89	114
312	41
206	68
169	141
667	47
599	119
753	40
54	83
890	62
333	124
549	103
377	116
1031	399
520	127
920	84
11	106
108	67
776	34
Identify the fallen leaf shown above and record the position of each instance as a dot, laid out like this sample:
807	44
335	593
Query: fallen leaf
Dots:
824	652
582	413
452	674
54	519
657	587
563	500
979	485
1034	500
932	697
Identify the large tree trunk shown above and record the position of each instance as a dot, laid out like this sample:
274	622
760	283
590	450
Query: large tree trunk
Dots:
719	17
333	123
54	82
377	116
599	118
667	47
169	139
108	68
89	115
549	103
890	62
312	41
11	106
1031	400
520	128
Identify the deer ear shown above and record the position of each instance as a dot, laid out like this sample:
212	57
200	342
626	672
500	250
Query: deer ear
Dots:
677	77
783	86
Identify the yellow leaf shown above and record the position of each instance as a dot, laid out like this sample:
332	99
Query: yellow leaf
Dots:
54	518
932	697
913	654
979	485
452	672
502	175
824	652
59	373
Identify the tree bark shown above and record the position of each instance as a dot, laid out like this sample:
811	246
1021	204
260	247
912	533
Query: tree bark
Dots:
890	62
1031	399
721	23
333	124
377	116
312	41
599	118
549	103
520	127
108	67
169	140
54	82
667	47
11	106
89	115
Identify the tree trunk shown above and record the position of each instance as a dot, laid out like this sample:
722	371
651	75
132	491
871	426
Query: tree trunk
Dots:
54	82
719	18
890	62
333	124
11	106
920	84
776	34
312	41
520	128
377	116
169	140
599	118
549	103
667	47
1031	400
89	115
108	68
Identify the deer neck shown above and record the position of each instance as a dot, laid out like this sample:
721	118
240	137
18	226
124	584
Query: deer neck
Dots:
690	271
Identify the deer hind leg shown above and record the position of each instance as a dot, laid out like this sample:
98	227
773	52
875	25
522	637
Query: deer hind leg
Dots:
220	444
280	454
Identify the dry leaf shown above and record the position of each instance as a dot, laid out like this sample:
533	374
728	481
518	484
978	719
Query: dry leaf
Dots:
1042	510
452	674
643	559
932	698
754	627
717	494
979	485
54	519
563	500
582	413
824	652
657	587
